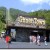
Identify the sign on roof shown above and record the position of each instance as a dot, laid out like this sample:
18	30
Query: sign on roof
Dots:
26	21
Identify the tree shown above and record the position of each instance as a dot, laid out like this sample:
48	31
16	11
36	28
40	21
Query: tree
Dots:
42	14
2	18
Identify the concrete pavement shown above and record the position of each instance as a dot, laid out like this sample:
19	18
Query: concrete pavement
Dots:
22	45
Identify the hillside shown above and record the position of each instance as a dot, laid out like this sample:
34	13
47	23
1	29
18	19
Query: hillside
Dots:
43	14
14	12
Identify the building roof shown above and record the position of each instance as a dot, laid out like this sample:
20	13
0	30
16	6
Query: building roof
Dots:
31	16
10	23
29	28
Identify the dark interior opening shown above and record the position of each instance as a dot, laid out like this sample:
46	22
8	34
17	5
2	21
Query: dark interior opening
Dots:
33	33
47	35
40	33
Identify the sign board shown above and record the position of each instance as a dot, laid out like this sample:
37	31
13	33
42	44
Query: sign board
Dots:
27	20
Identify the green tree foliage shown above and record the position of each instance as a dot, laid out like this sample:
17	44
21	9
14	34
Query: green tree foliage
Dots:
42	14
2	14
15	12
2	18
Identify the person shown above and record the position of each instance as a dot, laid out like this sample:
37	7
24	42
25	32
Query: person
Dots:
1	36
30	37
8	39
45	40
34	39
38	39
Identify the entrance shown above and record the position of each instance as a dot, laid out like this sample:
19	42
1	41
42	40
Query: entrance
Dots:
47	35
33	33
33	36
41	33
41	36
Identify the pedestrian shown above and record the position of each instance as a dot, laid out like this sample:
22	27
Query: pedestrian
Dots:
34	39
45	40
1	36
38	39
30	37
8	39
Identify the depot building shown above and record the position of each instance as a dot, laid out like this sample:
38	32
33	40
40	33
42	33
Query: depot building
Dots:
25	26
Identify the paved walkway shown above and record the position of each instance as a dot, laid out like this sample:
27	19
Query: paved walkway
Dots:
22	45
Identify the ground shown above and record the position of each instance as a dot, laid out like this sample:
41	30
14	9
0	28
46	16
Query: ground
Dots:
22	45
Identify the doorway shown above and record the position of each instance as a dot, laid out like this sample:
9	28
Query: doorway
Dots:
47	35
33	34
41	33
41	36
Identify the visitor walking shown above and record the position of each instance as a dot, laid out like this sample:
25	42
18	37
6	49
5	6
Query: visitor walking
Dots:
34	39
8	39
45	40
38	39
30	37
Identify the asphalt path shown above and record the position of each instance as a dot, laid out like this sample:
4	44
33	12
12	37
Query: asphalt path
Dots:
23	45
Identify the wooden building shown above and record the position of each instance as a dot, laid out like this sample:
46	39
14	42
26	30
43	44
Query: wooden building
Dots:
24	26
